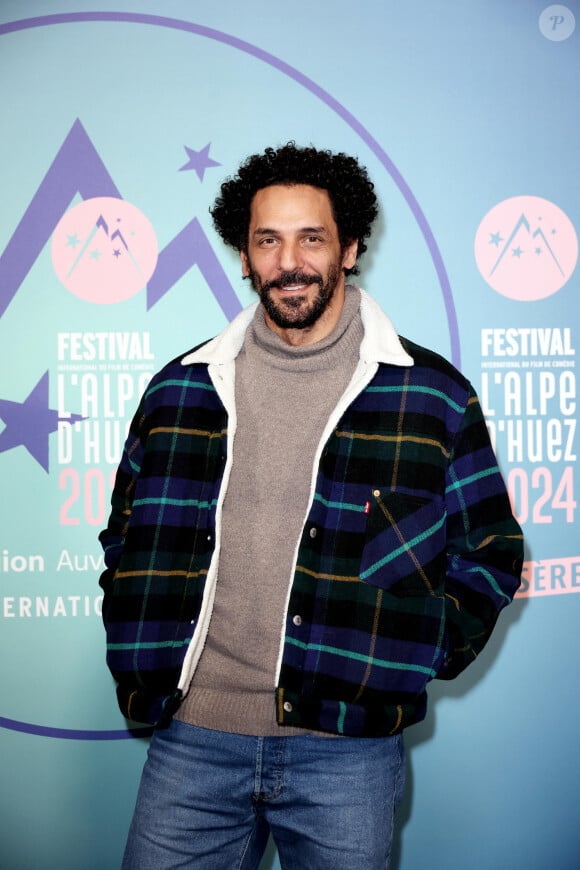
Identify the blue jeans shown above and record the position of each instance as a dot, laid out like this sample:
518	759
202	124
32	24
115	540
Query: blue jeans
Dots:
209	800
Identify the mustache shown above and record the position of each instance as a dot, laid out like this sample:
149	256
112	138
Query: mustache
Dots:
286	279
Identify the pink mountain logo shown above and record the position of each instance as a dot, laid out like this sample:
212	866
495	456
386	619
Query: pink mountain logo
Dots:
104	250
526	248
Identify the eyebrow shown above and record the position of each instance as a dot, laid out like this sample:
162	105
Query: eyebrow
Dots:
266	231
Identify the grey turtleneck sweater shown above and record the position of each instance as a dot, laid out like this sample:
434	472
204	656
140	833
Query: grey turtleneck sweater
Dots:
284	396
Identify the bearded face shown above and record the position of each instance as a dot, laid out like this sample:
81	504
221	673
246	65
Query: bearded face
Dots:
295	260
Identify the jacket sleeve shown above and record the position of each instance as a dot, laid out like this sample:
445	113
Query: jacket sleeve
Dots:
113	537
484	543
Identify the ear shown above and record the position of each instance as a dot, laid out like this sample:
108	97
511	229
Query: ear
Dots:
349	254
245	264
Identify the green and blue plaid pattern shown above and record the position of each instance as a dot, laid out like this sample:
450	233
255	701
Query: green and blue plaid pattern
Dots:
409	552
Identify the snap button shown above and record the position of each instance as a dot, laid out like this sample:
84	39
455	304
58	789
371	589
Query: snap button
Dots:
376	493
297	619
313	532
288	706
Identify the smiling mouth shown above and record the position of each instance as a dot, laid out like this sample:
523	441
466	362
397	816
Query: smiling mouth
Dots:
292	282
293	288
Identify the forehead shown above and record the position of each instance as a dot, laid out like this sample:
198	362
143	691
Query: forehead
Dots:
291	205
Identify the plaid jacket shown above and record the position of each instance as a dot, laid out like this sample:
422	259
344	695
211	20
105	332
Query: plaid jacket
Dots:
408	552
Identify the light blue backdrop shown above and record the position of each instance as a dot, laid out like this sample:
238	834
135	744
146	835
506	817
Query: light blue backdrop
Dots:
455	108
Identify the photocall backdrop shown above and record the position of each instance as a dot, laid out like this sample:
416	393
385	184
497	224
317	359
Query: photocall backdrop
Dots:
119	123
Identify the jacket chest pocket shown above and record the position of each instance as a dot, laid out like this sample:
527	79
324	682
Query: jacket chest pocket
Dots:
404	547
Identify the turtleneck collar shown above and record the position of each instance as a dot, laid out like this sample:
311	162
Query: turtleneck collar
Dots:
380	343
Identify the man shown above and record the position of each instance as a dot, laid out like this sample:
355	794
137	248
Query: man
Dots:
308	525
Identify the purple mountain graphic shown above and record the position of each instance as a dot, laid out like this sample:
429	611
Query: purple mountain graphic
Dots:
119	235
101	226
523	227
77	168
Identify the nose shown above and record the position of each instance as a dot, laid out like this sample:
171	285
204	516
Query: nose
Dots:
289	258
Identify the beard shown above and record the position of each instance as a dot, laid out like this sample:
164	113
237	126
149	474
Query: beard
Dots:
296	312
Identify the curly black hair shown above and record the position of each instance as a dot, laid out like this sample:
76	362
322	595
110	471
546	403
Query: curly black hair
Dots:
353	200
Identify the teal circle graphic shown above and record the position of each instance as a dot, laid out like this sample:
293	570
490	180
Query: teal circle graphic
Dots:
350	120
